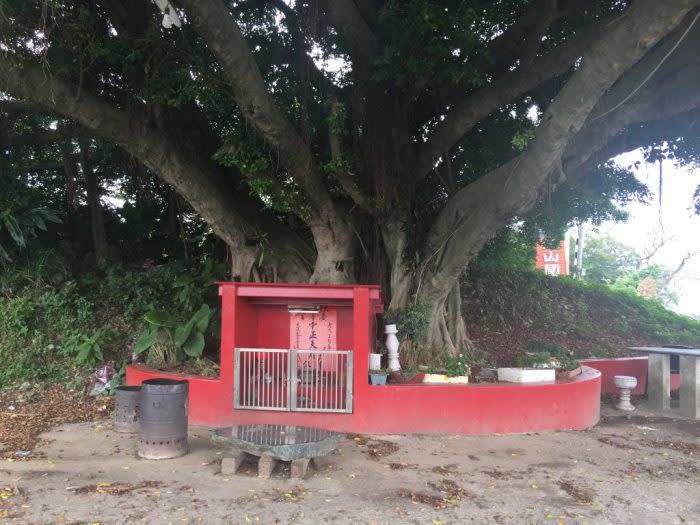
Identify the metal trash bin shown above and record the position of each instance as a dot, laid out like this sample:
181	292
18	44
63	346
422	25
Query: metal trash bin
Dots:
126	408
163	419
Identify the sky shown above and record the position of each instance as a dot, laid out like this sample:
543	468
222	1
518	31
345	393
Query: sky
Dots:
680	225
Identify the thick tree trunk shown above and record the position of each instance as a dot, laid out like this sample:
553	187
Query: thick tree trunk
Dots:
173	229
242	264
447	332
93	193
401	281
334	253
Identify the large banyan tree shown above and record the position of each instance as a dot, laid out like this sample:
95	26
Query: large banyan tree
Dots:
361	140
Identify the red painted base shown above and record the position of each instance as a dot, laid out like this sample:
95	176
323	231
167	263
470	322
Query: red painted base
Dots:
413	408
625	366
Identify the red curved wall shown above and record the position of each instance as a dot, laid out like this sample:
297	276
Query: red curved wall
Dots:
625	366
455	409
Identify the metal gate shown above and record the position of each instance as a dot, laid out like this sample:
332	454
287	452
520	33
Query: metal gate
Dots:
293	380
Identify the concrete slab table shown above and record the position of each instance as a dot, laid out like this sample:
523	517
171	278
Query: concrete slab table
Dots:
272	443
659	378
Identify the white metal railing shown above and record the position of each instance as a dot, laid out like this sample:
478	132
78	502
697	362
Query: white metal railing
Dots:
296	380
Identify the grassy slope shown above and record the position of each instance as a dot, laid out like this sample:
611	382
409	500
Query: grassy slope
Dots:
505	311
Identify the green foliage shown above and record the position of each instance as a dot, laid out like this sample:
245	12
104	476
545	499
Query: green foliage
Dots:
168	340
609	261
536	360
509	251
52	331
21	225
544	354
582	317
478	357
412	323
458	365
33	271
428	40
87	350
599	196
521	139
39	330
337	119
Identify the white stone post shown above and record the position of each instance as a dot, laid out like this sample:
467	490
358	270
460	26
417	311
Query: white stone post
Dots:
392	346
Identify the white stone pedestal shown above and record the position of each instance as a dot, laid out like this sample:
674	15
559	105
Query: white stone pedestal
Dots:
625	384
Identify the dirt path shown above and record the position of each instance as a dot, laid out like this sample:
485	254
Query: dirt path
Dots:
637	470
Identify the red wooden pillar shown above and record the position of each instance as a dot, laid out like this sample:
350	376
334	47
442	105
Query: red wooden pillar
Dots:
360	346
228	295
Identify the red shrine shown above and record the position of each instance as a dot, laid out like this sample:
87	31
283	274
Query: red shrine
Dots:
297	354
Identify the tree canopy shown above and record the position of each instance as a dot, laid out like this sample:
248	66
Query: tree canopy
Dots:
340	141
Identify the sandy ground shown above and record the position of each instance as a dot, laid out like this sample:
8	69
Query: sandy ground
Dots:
626	470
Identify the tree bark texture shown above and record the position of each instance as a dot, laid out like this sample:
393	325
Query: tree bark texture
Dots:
93	194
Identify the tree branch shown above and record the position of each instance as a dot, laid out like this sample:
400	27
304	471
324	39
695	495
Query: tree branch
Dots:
193	178
672	274
329	226
347	19
528	29
45	136
347	180
519	44
671	92
298	41
484	101
477	211
223	37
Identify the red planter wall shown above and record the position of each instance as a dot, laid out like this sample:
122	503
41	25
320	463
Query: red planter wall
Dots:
454	409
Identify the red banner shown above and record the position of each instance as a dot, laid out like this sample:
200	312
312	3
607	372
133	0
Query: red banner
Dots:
553	261
314	331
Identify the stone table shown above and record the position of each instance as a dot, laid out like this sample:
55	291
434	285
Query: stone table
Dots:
659	378
272	443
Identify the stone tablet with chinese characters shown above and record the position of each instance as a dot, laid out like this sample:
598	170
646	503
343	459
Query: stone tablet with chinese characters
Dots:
314	331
